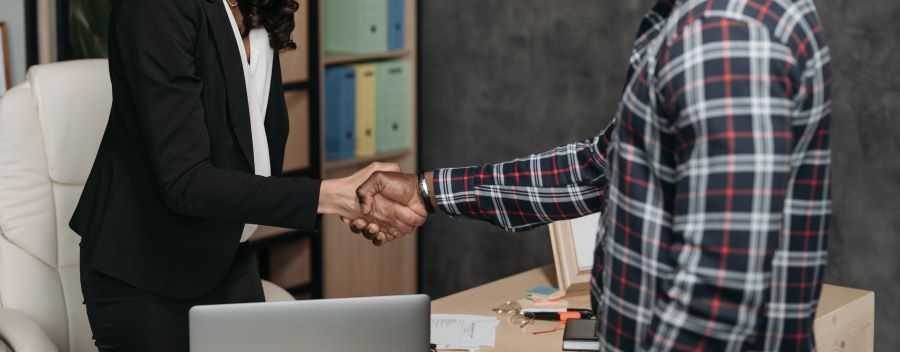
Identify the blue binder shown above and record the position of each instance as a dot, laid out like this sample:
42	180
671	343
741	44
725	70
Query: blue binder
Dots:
396	24
340	111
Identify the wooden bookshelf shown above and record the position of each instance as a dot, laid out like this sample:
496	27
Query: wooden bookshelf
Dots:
357	163
334	262
332	59
352	266
297	152
295	63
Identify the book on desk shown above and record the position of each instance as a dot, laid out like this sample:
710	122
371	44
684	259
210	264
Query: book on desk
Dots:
581	335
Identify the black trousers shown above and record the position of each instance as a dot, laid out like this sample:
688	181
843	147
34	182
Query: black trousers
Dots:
125	318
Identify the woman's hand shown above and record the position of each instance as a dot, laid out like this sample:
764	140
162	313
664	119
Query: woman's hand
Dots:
339	197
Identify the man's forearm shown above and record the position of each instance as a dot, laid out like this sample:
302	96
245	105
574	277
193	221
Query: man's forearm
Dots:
562	183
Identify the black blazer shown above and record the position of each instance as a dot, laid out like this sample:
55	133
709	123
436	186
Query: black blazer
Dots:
172	184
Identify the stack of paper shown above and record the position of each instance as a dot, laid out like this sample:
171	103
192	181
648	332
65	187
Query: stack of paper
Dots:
467	332
529	306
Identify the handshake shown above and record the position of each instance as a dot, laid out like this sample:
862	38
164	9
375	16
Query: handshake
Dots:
379	202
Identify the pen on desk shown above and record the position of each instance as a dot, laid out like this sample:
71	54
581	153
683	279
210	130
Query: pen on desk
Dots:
561	316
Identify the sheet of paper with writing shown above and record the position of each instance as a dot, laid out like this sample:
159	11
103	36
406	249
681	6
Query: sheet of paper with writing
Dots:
459	331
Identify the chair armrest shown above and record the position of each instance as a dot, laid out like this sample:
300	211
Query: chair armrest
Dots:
22	334
274	293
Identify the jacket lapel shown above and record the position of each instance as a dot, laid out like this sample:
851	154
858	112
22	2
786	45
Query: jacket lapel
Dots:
235	86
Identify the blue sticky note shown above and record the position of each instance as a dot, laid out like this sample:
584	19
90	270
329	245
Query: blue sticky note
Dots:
542	290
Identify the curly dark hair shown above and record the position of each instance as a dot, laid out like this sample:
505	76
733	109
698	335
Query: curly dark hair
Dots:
276	16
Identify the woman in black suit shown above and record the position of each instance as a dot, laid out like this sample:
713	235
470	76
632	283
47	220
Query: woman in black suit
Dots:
182	169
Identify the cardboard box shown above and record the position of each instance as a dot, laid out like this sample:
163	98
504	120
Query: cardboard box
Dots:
845	320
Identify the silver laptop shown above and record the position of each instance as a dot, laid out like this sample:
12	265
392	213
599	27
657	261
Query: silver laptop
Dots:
374	324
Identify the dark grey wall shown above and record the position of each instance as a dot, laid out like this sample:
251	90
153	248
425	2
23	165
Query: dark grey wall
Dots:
505	78
865	242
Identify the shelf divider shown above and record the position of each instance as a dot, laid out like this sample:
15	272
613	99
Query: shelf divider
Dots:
331	59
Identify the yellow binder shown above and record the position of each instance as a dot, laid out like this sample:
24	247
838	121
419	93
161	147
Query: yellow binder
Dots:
365	110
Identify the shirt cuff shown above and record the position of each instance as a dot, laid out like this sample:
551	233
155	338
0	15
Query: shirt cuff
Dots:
454	190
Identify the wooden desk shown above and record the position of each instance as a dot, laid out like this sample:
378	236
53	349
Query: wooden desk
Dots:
844	322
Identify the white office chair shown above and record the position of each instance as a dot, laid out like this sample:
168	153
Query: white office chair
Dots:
50	128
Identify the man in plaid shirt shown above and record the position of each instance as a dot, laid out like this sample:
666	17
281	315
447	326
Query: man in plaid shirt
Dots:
713	180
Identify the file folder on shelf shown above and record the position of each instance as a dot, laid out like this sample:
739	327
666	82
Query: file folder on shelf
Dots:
340	113
356	26
396	24
393	106
365	110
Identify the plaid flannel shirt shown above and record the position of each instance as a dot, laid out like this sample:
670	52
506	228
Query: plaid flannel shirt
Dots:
713	180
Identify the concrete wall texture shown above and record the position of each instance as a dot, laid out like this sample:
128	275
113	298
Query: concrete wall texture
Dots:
506	78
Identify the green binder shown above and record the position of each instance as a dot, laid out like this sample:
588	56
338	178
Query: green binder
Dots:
393	105
356	26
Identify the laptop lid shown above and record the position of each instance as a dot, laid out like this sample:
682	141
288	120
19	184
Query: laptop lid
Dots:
374	324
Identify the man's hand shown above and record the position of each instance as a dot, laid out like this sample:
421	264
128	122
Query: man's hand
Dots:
389	197
388	221
338	197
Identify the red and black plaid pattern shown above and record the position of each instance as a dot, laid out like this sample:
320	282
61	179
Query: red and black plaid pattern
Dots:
713	180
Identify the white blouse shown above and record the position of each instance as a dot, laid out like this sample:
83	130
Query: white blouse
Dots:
258	77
